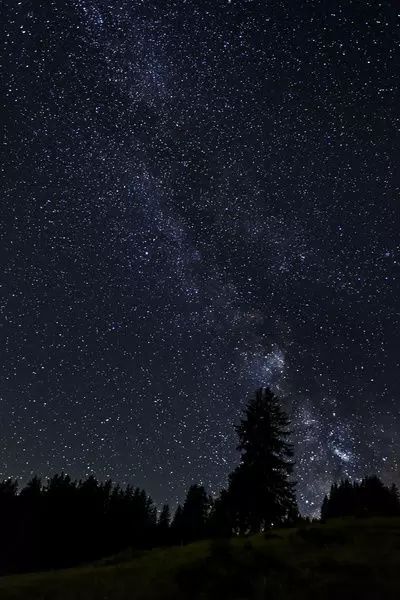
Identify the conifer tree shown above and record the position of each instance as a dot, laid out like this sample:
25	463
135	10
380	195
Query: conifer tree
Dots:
177	526
369	497
164	526
164	518
195	513
260	491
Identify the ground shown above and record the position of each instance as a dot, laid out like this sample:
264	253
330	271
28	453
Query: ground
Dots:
345	559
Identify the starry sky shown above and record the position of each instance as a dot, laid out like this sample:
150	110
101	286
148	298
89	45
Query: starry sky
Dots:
199	198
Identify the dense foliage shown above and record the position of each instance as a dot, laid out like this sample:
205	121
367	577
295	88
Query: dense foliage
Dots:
367	498
65	522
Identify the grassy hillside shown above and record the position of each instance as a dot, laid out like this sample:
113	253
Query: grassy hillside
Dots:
343	559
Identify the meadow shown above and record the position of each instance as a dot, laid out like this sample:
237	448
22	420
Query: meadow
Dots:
349	558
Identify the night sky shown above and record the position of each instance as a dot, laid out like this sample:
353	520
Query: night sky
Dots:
199	198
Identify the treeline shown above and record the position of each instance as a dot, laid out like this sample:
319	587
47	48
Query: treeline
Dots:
63	522
66	522
366	498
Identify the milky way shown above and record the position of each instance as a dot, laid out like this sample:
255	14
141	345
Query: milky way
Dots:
198	199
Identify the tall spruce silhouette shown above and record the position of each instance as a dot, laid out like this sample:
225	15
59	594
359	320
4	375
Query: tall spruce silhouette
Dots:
260	492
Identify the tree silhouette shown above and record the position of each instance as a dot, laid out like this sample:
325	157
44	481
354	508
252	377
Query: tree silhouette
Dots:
369	497
30	536
195	513
8	521
66	522
260	493
164	526
177	530
222	516
164	518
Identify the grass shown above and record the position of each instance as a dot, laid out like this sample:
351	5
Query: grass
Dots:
345	559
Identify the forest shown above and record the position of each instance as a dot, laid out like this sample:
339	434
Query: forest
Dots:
60	522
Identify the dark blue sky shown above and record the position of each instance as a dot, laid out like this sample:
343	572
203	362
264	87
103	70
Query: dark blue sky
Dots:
198	199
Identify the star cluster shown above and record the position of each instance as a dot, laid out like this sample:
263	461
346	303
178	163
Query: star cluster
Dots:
198	199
